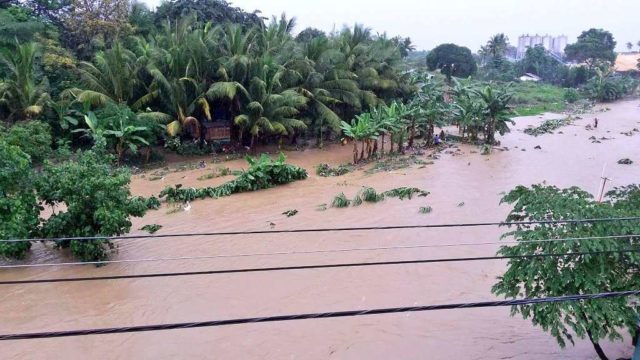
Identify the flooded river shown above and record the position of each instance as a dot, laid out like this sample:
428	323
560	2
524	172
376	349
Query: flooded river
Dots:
565	159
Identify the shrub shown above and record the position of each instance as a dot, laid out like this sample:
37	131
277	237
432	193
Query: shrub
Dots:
32	137
340	201
325	170
19	209
96	199
571	95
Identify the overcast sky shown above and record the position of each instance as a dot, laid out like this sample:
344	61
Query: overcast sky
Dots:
464	22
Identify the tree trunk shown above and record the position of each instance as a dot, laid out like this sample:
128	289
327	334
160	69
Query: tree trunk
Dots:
390	143
490	132
412	134
596	346
355	152
362	151
120	150
382	148
375	147
369	148
253	141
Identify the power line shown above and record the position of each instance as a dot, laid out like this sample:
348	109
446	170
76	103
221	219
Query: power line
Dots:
314	316
297	231
308	252
310	267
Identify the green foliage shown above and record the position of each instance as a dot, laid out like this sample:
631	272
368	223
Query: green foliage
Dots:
88	197
571	95
340	201
452	60
151	229
425	210
533	98
19	209
559	276
32	137
607	86
263	173
325	170
405	193
20	93
593	46
370	195
548	127
537	61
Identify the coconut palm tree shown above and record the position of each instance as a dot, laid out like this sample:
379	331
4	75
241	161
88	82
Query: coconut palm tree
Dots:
19	92
112	76
497	46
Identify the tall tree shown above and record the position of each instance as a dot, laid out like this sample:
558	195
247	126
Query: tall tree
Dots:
21	93
593	46
452	60
564	275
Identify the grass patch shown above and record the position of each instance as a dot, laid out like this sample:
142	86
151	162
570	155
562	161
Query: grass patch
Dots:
533	99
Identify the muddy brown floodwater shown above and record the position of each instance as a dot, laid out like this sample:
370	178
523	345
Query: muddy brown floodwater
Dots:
566	159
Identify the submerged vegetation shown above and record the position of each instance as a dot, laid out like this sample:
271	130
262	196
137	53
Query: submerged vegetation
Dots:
370	195
548	127
263	173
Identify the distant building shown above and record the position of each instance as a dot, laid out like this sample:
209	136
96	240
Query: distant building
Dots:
554	44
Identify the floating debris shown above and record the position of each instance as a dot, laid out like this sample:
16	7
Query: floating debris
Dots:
290	213
426	210
151	229
538	147
625	162
548	126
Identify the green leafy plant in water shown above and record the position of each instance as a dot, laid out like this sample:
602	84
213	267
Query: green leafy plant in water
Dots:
405	193
290	213
548	127
263	173
370	195
425	210
340	201
325	170
357	201
151	229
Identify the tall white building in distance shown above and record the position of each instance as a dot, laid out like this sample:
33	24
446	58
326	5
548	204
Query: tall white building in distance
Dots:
553	44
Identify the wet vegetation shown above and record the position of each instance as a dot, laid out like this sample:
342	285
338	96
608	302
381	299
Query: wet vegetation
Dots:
548	127
263	173
370	195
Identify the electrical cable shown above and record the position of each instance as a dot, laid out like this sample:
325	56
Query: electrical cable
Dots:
310	267
308	252
297	231
315	316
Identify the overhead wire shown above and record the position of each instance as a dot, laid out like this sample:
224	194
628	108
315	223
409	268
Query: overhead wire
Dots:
315	316
311	267
309	252
339	229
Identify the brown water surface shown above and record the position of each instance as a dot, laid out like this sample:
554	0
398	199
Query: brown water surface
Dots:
566	159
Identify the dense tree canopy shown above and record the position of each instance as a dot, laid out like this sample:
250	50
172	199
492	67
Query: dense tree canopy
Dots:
215	11
452	60
593	45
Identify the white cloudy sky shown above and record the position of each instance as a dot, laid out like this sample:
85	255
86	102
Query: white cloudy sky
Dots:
464	22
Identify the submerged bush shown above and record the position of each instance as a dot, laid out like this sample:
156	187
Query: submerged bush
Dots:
263	173
340	201
547	127
325	170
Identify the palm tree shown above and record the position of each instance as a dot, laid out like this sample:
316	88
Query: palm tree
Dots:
20	93
497	46
112	76
495	106
629	45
